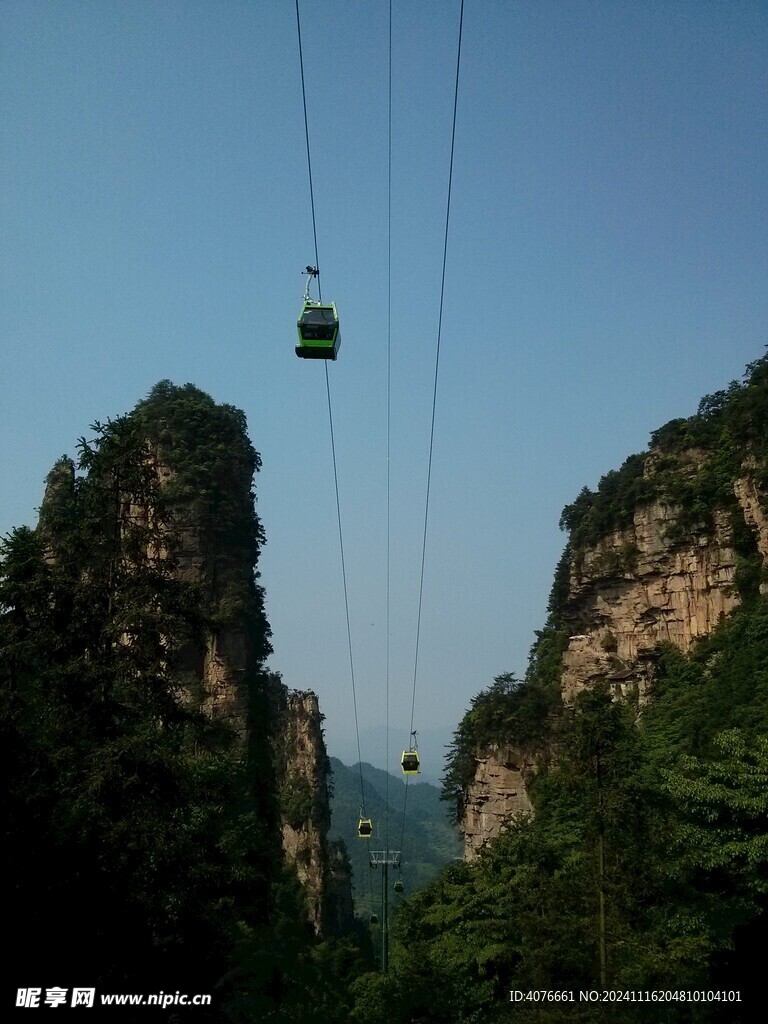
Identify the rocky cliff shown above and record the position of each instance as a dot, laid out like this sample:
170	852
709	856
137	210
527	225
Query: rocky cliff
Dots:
182	501
219	670
640	586
496	793
303	773
666	548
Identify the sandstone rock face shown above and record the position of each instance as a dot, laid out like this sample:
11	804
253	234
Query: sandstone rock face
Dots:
638	587
494	796
654	582
305	810
223	674
217	675
753	503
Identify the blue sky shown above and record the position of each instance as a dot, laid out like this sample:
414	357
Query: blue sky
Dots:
607	266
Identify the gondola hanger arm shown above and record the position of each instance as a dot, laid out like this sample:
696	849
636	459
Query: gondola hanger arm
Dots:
311	272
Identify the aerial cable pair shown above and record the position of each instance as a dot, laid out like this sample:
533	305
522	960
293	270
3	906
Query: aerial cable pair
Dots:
318	328
319	338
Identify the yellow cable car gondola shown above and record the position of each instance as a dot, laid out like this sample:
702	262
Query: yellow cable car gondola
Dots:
365	828
410	760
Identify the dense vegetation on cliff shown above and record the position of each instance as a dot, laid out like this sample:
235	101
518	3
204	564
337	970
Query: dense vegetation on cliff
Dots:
645	863
692	464
133	819
729	430
664	818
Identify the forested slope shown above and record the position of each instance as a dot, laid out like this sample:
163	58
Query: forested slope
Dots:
644	863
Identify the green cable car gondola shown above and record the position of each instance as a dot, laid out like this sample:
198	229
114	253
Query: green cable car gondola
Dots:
318	326
318	331
365	828
398	886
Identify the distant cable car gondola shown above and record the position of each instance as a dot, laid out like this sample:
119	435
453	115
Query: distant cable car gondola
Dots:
374	919
318	326
398	886
410	760
365	828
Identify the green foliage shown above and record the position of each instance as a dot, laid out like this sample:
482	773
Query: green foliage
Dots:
722	684
660	818
205	447
611	507
724	804
510	713
691	466
282	975
558	595
525	914
296	802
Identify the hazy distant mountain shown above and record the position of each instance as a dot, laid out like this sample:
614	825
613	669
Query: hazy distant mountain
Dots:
423	834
